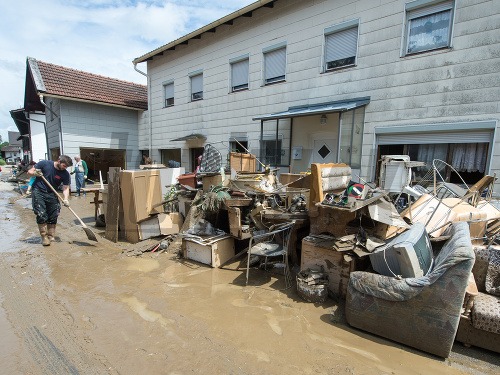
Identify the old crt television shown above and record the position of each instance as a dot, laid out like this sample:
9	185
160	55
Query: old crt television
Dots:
406	255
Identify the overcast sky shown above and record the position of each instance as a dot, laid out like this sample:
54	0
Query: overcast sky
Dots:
96	36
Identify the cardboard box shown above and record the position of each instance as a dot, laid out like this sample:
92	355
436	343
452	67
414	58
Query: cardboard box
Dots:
212	251
318	254
170	223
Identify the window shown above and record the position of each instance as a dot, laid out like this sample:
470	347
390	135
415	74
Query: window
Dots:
341	45
274	64
196	87
272	151
239	74
428	27
169	94
351	137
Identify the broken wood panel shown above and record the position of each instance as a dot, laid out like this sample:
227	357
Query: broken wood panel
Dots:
112	213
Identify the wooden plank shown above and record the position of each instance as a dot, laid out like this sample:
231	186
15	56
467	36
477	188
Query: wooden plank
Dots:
113	205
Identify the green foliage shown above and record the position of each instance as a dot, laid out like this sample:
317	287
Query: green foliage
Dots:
3	144
2	162
213	199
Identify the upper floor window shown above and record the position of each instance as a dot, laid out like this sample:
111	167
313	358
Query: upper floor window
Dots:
196	86
428	26
239	73
274	64
341	45
169	94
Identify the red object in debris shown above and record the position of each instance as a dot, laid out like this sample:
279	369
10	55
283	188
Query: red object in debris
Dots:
188	179
356	190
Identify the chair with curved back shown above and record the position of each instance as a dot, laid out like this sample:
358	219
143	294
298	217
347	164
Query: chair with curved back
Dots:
273	243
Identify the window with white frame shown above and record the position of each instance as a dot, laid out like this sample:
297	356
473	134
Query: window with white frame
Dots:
341	45
274	64
428	26
239	74
196	86
169	94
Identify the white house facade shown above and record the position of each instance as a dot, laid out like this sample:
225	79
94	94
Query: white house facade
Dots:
303	81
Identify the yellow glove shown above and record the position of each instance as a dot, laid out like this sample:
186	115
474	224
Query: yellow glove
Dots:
65	202
38	173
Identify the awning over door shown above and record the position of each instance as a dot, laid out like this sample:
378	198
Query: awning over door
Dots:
190	137
317	109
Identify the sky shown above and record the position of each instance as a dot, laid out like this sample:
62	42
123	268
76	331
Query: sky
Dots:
96	36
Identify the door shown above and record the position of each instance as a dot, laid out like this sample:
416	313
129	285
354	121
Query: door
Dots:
324	151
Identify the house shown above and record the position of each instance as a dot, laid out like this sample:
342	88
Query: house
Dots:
13	152
84	113
302	81
32	134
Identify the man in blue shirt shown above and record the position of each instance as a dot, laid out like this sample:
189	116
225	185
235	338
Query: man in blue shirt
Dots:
46	205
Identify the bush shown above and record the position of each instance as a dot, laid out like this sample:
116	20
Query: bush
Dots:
2	162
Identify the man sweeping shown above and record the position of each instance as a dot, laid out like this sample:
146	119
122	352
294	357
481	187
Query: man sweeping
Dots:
45	203
80	170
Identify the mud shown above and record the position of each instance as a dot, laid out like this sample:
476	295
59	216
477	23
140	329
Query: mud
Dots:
77	307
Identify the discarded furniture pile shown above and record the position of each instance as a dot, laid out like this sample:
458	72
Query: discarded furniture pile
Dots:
399	253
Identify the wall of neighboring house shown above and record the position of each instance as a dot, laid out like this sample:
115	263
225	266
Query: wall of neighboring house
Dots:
457	85
87	125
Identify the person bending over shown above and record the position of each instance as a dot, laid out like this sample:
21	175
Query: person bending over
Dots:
45	203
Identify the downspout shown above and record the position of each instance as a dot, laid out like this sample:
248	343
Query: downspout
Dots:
60	127
150	114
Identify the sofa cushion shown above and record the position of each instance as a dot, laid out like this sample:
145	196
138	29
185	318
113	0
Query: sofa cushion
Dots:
486	313
492	282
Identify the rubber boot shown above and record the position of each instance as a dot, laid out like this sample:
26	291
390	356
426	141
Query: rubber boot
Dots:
51	231
43	233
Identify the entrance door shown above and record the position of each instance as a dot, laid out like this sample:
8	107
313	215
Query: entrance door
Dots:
324	151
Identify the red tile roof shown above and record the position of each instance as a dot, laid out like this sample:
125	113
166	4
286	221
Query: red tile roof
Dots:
71	83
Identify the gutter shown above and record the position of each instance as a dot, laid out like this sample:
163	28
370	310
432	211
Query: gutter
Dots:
150	115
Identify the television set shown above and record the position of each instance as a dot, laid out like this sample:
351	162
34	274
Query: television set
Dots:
407	255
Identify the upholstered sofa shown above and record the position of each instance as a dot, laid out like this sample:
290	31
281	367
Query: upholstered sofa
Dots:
480	323
421	312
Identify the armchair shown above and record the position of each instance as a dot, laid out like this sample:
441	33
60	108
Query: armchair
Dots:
272	244
421	312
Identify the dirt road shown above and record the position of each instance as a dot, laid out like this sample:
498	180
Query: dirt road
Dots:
82	308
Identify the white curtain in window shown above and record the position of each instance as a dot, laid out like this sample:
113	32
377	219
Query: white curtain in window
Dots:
429	32
427	153
469	157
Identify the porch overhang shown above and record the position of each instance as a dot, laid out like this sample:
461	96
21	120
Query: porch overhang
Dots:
316	109
190	137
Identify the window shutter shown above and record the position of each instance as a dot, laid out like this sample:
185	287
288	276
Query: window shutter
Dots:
169	91
197	83
341	45
431	9
275	63
239	73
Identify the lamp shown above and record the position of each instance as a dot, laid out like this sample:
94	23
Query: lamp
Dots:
322	119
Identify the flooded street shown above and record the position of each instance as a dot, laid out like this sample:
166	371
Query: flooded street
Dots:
77	307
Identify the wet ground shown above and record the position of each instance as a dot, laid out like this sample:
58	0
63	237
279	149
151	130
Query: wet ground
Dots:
78	307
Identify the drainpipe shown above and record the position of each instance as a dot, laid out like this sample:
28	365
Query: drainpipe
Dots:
150	114
60	126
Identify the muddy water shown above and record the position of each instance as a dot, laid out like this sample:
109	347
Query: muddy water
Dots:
105	312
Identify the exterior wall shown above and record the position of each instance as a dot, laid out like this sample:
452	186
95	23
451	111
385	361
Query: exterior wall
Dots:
98	126
53	123
38	139
459	84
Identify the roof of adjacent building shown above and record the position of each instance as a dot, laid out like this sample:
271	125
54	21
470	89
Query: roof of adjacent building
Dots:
10	148
210	28
58	81
13	139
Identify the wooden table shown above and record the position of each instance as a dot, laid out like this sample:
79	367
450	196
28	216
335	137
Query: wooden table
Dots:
96	200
